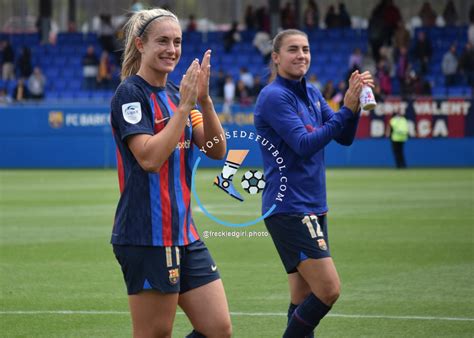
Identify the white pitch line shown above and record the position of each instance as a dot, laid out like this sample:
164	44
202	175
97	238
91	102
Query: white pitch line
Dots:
250	314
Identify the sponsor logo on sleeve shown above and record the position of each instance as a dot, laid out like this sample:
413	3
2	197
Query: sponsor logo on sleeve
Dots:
132	112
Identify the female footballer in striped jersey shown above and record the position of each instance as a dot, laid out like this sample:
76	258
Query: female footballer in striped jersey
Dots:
293	115
155	125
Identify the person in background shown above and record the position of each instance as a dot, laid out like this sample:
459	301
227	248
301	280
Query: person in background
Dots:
229	94
313	79
20	93
344	19
4	97
90	68
401	39
105	71
263	43
257	87
449	66
294	117
466	64
246	77
422	52
398	131
8	59
356	59
450	14
37	84
249	18
156	125
331	19
23	64
427	15
243	94
192	25
231	37
311	15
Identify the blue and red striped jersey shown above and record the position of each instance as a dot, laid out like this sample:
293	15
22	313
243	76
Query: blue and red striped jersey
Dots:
154	208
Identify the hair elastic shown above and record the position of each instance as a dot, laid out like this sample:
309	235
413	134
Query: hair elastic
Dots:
149	21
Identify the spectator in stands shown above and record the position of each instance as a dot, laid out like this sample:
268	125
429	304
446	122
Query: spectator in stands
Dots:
329	91
313	79
376	30
311	15
229	94
422	52
383	77
4	97
192	25
20	93
466	64
231	37
36	84
401	38
263	43
90	68
340	92
288	16
43	23
106	33
263	19
450	14
344	19
356	59
243	94
449	66
8	59
23	64
427	15
470	29
246	77
105	71
391	18
217	83
249	18
257	86
402	69
331	19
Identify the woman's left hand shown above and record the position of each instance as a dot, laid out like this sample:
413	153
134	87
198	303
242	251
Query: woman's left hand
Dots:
204	76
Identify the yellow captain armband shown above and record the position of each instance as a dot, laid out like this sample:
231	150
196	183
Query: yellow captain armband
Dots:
196	118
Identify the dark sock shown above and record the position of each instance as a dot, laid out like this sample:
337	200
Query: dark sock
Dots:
306	317
291	308
195	334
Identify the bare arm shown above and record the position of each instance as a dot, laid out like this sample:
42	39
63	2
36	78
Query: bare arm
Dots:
211	129
152	151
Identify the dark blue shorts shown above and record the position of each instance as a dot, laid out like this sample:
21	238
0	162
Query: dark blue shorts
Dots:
298	237
174	269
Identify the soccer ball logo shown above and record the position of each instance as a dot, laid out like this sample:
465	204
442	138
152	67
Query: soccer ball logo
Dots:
253	182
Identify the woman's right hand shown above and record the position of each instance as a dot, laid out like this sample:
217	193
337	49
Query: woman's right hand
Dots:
356	82
188	88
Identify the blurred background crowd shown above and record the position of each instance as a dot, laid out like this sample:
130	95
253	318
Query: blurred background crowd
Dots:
429	53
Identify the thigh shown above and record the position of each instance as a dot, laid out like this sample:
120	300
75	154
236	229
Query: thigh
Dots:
299	289
207	309
152	313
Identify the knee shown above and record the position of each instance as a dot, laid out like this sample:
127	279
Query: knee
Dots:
221	330
153	331
330	293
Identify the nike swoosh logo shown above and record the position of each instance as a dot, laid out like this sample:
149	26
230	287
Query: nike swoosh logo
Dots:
214	268
163	119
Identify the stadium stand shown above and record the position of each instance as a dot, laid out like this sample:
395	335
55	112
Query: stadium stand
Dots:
61	63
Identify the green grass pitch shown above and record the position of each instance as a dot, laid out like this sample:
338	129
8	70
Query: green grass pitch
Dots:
402	242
